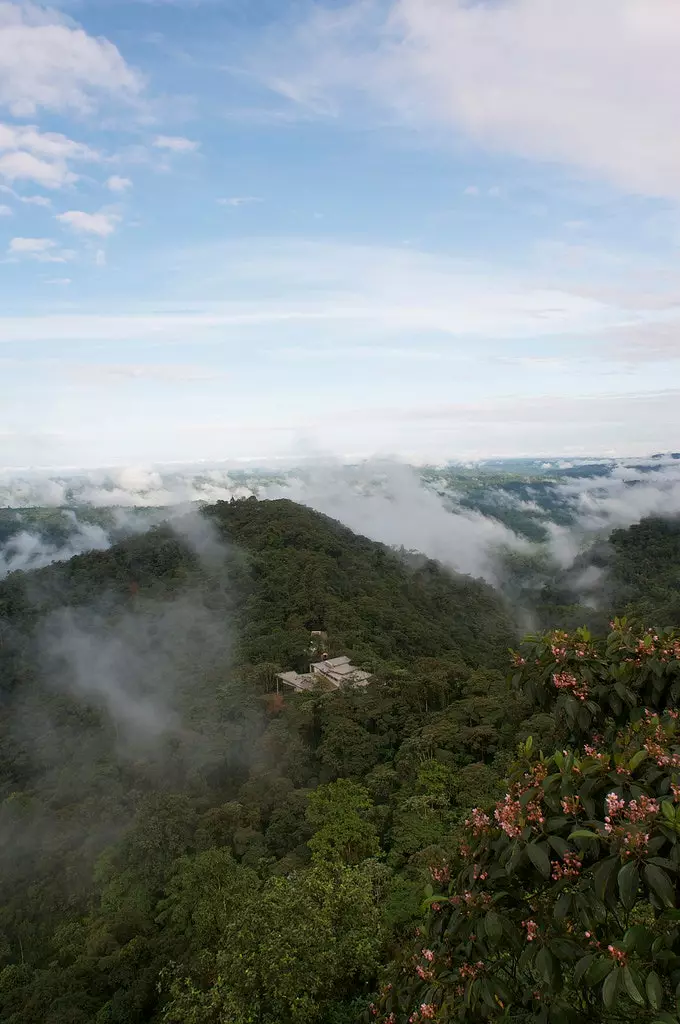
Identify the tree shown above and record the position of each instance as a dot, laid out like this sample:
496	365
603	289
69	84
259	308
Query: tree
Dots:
565	903
300	945
343	833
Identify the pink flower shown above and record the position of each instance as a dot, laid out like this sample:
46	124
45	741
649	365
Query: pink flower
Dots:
427	1010
617	954
507	815
567	681
478	821
570	804
570	868
428	954
532	930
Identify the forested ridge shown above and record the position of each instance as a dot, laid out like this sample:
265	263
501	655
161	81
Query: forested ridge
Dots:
182	844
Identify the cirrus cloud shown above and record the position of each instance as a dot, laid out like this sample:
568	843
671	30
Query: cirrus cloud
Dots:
591	86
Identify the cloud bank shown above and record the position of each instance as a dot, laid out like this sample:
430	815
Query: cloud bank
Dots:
591	86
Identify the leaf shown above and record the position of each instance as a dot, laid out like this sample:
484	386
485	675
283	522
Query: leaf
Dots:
658	880
637	939
665	1018
633	985
563	906
637	760
654	990
601	875
583	833
668	811
599	970
628	881
539	858
610	988
545	965
493	926
581	967
559	845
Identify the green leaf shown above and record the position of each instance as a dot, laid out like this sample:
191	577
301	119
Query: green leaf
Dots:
633	985
610	988
563	906
493	927
601	875
668	811
637	760
581	967
637	939
559	845
666	1018
628	881
539	858
599	970
583	833
545	965
654	990
658	880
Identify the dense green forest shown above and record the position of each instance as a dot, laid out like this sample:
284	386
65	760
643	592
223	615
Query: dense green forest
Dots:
180	843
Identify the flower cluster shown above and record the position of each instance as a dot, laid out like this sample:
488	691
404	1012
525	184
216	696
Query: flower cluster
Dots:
643	808
532	930
651	645
471	971
472	900
657	743
570	804
507	814
561	645
617	954
567	681
440	875
478	822
638	813
569	868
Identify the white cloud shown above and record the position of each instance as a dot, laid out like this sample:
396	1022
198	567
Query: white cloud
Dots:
100	224
171	373
48	62
44	158
5	211
100	258
645	342
31	245
61	282
239	201
385	292
42	249
471	190
117	184
175	143
589	85
36	200
26	167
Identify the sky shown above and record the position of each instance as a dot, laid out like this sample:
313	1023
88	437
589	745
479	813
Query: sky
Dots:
432	229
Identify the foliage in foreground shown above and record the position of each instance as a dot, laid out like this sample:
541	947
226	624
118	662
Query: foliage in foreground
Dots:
562	903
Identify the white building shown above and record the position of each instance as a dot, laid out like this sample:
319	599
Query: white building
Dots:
329	674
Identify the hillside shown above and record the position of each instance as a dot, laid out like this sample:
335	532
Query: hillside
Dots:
181	845
134	697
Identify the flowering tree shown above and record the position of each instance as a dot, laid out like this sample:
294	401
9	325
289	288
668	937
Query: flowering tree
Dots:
562	904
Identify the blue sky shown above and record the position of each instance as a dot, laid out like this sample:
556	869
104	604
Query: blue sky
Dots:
430	228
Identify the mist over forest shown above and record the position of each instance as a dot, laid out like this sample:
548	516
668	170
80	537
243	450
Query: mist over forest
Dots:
185	837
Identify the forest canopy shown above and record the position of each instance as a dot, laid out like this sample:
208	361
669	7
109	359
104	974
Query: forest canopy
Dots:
180	843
